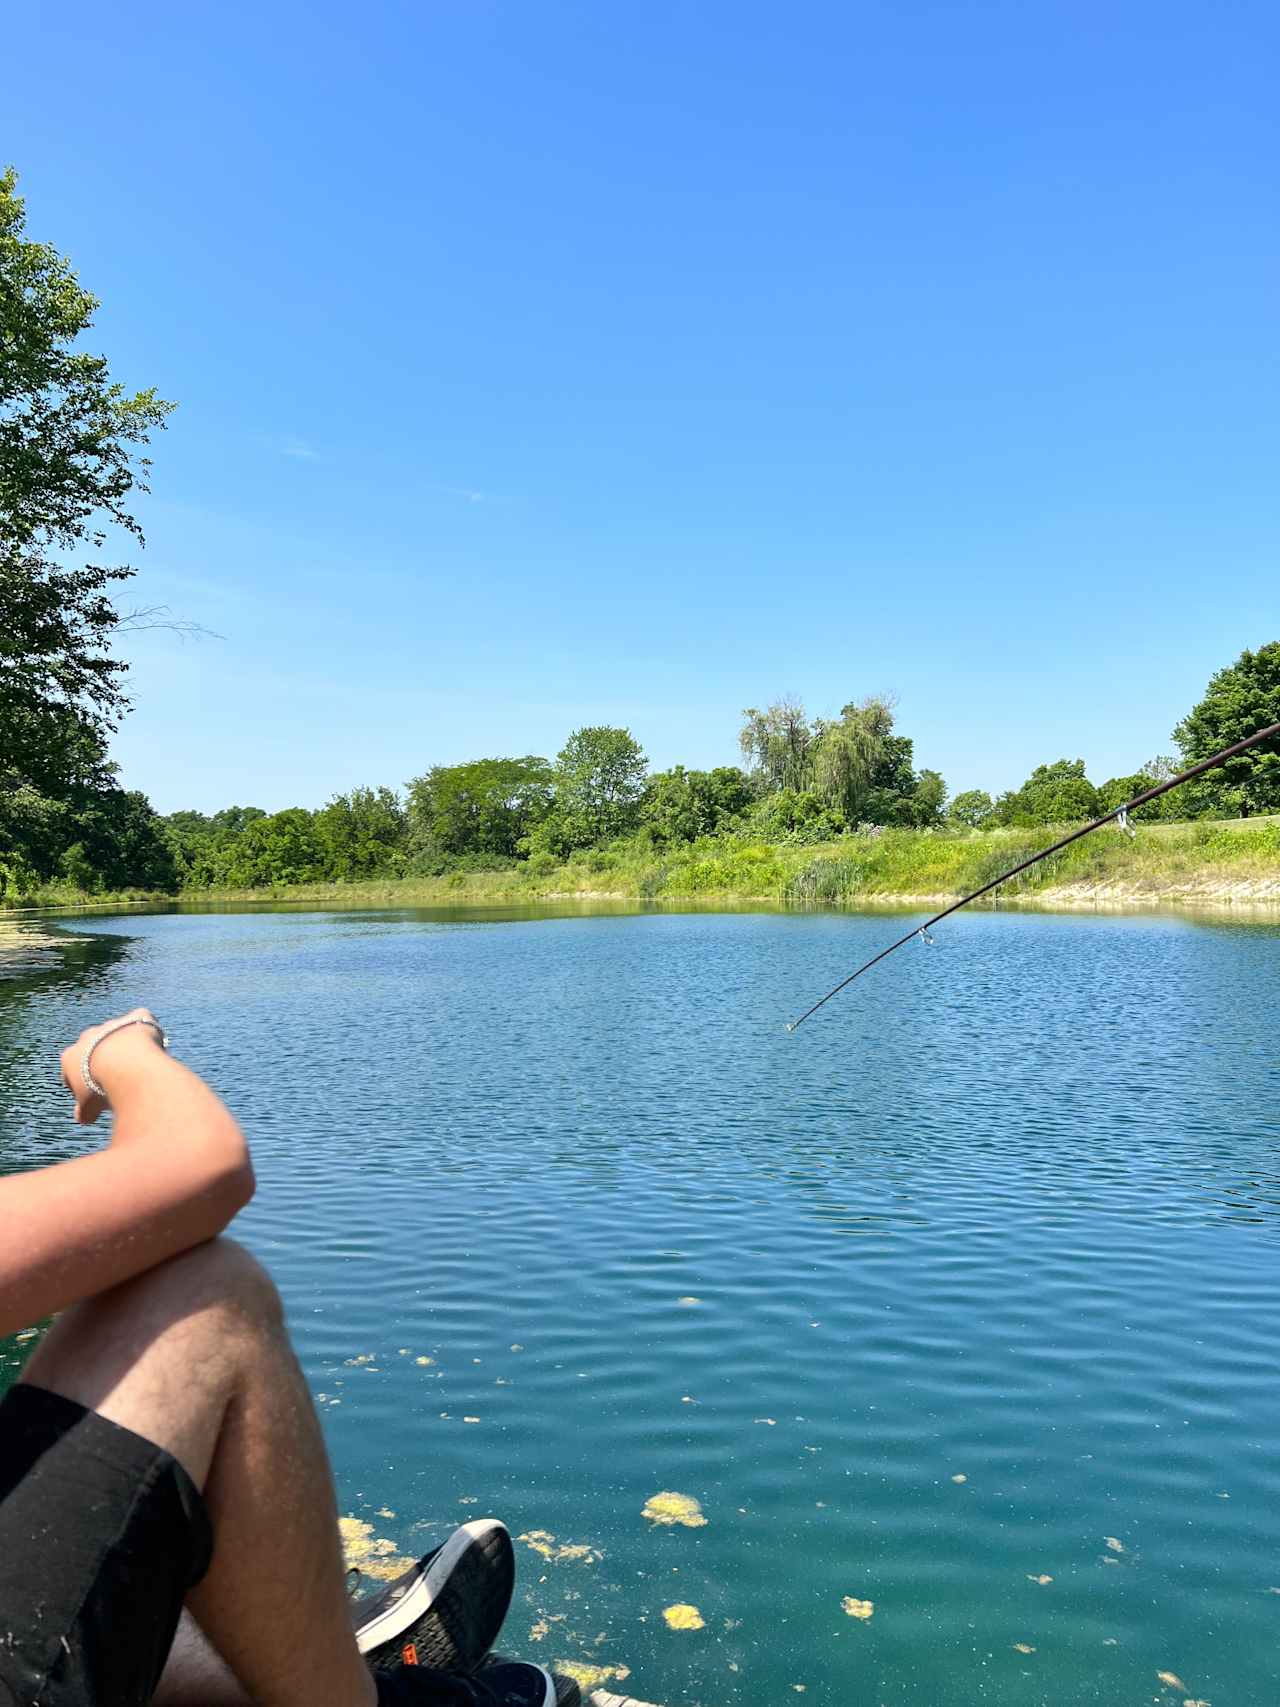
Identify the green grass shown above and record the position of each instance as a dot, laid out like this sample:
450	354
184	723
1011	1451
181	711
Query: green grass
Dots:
61	896
1163	861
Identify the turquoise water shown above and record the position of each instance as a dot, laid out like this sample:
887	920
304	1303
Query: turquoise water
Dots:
971	1281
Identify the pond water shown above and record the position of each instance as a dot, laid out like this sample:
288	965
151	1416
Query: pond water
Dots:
963	1301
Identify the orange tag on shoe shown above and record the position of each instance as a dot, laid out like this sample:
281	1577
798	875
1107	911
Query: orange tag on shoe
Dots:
409	1654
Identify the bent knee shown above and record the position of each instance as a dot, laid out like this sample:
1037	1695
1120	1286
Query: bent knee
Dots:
200	1310
217	1285
222	1271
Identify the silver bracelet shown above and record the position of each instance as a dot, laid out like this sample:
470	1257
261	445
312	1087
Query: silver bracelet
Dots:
90	1083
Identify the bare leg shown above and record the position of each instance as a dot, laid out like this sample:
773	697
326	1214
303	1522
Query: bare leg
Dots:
196	1676
194	1356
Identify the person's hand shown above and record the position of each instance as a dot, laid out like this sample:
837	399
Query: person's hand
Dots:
89	1105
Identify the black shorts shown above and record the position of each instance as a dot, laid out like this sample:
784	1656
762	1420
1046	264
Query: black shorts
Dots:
102	1534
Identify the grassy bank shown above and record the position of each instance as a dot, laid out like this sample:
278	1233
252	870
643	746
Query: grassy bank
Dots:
1165	862
67	897
1194	862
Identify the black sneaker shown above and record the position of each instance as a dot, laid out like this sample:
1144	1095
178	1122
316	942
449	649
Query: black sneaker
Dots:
446	1611
515	1683
567	1693
509	1683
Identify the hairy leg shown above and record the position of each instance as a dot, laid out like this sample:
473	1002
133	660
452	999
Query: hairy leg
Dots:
194	1355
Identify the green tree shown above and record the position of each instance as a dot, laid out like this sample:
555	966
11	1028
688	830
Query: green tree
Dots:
190	836
599	786
861	769
795	815
1117	789
1059	793
928	799
69	462
203	846
33	838
123	842
282	848
973	808
1240	699
363	834
484	807
232	820
99	839
681	805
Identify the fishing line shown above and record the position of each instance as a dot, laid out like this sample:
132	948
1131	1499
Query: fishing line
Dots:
1119	816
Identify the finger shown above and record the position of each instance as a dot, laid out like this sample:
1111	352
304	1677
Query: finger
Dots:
89	1108
69	1062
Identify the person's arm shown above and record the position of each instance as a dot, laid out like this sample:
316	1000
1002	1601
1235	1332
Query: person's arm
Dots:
176	1172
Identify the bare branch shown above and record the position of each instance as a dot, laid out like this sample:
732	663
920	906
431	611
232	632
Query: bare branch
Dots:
147	617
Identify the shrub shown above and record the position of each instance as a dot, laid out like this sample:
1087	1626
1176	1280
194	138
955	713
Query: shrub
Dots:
824	880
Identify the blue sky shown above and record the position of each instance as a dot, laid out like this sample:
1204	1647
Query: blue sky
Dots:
544	364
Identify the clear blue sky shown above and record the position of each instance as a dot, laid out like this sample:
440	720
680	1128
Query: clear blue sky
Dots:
544	364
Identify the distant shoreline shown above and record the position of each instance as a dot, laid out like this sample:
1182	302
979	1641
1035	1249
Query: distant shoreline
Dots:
19	939
1224	866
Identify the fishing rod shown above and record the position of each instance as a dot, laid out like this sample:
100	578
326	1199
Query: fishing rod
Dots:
1120	816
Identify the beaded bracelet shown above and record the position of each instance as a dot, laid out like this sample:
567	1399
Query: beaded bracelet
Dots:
90	1083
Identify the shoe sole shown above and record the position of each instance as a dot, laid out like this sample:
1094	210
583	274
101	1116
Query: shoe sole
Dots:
452	1613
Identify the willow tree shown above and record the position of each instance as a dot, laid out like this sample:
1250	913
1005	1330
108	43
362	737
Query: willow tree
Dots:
777	745
860	767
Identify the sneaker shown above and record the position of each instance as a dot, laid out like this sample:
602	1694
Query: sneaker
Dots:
515	1683
567	1693
444	1612
508	1683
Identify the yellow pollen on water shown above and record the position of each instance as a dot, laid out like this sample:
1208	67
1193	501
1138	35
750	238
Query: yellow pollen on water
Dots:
588	1676
560	1552
683	1617
669	1508
374	1555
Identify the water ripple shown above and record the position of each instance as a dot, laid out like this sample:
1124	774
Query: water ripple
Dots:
970	1284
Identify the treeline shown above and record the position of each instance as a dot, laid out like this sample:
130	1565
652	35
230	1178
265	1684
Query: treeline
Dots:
802	781
598	791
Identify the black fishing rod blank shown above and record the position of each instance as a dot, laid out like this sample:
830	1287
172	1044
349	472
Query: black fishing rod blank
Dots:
1119	816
